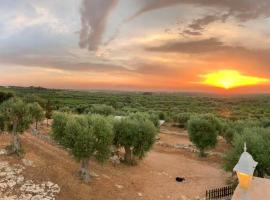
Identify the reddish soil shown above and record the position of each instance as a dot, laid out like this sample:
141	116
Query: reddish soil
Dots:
153	177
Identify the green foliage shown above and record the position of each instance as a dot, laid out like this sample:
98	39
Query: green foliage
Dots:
232	128
85	135
37	112
265	122
16	113
32	98
182	119
2	123
162	115
65	109
229	134
136	134
258	145
203	132
144	116
102	109
94	136
236	107
60	121
5	96
17	118
48	110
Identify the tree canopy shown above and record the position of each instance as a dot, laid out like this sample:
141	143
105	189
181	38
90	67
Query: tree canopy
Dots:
37	112
203	132
86	135
258	145
136	135
17	118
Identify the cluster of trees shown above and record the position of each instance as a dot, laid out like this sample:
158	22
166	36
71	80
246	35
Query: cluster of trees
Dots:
15	117
258	145
5	96
93	135
204	129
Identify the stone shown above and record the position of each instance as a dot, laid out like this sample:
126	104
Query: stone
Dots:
11	178
119	186
27	163
20	180
115	159
11	183
25	197
3	186
93	174
37	197
140	194
3	152
49	184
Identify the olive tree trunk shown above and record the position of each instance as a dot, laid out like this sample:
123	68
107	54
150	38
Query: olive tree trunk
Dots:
202	153
84	171
16	142
128	155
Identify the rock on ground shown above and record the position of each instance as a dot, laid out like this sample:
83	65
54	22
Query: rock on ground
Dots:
13	185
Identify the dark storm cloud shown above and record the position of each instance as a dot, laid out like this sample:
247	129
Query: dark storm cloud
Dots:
94	16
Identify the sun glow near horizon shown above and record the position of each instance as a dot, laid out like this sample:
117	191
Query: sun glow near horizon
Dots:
228	79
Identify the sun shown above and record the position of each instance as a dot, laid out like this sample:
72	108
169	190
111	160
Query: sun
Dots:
229	79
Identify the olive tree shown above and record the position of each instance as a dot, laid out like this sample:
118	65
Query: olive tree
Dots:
48	111
86	137
136	136
182	119
59	124
17	119
202	132
258	145
37	113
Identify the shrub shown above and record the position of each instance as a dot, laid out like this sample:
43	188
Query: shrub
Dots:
258	145
202	132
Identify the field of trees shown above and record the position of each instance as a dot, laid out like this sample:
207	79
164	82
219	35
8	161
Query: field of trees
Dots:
91	124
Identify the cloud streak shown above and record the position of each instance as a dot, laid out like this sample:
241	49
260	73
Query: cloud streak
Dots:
241	9
94	17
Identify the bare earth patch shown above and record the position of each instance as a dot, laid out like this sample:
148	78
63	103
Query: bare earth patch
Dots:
153	178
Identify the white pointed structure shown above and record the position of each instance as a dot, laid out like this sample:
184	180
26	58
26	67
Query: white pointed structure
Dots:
245	169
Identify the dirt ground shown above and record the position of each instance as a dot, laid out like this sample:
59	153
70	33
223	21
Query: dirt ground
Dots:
153	177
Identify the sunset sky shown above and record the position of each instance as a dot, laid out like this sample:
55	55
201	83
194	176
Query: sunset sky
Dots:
159	45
